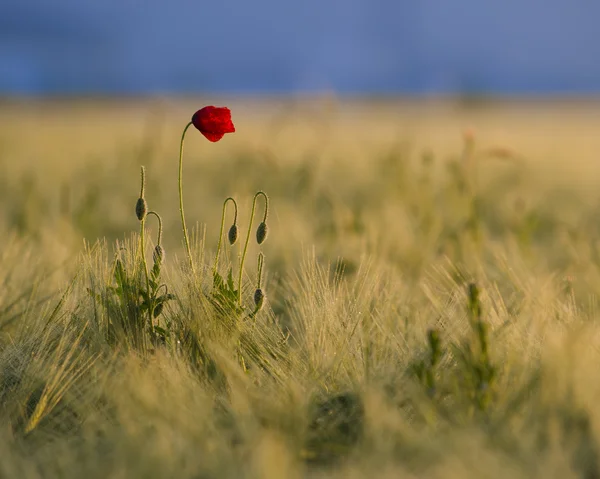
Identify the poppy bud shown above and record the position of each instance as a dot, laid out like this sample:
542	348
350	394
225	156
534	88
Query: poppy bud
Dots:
233	234
259	298
159	254
261	233
157	310
141	208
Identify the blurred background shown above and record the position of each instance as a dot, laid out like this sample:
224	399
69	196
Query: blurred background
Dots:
269	46
353	115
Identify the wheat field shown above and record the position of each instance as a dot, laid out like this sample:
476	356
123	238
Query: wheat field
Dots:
431	277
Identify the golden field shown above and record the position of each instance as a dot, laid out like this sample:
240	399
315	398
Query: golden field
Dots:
431	273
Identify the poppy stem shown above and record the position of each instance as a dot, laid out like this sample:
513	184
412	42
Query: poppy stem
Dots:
185	233
263	194
143	251
222	227
142	239
160	226
261	260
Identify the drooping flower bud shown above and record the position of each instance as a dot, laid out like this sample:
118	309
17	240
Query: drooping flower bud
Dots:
261	233
157	310
233	234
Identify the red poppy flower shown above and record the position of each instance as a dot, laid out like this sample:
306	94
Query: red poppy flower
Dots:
213	122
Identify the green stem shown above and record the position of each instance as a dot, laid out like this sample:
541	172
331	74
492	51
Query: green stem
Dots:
222	226
185	233
160	227
142	234
143	250
143	181
261	260
264	195
260	193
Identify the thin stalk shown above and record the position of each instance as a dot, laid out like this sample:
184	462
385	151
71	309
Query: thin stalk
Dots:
160	226
185	233
222	227
260	193
261	260
143	242
143	250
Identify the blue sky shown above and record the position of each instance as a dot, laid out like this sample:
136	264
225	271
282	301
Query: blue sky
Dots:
263	46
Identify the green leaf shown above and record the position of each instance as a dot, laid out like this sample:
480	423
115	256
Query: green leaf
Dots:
155	273
160	330
230	283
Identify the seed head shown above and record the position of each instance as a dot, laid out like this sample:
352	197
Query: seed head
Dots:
233	234
141	208
259	298
159	254
261	233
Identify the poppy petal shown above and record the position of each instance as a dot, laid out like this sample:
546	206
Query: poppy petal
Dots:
213	122
214	137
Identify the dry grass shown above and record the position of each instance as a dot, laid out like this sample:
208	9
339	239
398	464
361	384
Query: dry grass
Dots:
382	216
